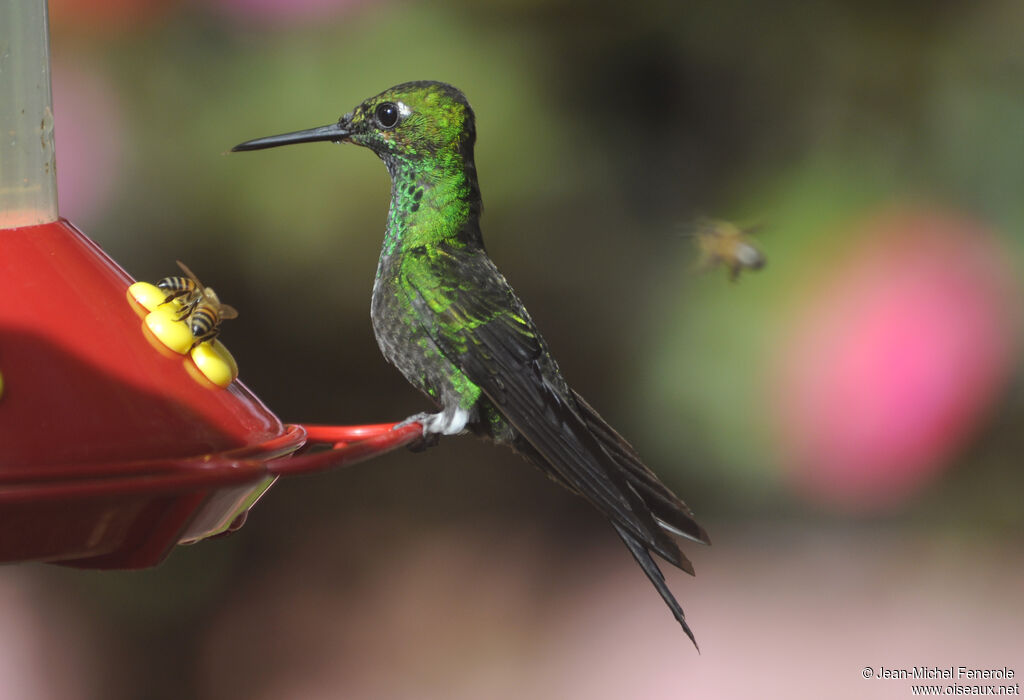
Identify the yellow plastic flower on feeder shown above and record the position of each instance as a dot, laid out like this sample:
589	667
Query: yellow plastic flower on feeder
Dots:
215	362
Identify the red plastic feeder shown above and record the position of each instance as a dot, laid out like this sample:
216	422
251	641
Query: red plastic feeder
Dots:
112	448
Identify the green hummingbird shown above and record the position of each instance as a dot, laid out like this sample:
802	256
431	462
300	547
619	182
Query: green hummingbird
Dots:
449	321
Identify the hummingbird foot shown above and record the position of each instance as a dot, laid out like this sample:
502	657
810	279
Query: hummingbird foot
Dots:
446	422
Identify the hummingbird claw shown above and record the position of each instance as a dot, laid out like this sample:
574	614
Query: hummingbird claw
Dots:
420	418
429	438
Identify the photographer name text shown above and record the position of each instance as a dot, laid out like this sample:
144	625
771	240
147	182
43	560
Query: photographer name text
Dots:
951	672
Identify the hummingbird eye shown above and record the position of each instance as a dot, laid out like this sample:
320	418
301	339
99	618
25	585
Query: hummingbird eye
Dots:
387	114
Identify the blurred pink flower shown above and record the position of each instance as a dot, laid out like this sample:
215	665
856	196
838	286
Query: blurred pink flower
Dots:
88	131
893	362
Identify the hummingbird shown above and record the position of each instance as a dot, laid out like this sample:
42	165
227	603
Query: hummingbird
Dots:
449	321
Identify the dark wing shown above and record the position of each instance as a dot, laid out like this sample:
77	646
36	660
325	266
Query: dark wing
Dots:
478	323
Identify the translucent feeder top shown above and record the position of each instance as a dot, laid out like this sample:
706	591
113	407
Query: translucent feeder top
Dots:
28	183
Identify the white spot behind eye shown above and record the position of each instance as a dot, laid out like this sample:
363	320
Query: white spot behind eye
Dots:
403	109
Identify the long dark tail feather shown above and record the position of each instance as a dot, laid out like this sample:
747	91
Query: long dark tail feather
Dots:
647	563
674	515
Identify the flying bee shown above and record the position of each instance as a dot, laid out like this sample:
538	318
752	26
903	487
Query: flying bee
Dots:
723	242
199	304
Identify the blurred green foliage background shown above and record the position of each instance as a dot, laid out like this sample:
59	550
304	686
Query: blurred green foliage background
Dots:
604	130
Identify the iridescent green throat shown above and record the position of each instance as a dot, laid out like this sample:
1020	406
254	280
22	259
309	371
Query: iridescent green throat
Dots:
432	202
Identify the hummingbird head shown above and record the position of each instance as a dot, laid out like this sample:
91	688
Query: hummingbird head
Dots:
417	122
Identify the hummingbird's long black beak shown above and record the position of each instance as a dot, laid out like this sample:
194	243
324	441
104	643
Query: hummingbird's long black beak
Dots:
336	132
